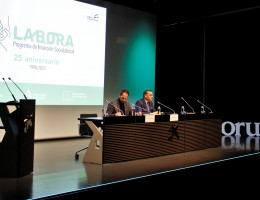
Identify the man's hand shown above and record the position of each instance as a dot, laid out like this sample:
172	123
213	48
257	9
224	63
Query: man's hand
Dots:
118	114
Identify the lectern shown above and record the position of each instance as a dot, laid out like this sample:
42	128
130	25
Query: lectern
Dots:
17	145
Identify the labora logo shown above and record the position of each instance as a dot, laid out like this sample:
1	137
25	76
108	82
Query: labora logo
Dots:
31	35
39	36
251	128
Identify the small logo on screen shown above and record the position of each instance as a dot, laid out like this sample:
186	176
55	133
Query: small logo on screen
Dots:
4	32
93	18
67	96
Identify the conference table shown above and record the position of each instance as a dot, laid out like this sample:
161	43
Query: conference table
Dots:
125	138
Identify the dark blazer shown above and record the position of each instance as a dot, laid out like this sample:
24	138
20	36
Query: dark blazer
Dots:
141	106
111	110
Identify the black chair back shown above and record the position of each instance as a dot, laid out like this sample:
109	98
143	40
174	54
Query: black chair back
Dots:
84	130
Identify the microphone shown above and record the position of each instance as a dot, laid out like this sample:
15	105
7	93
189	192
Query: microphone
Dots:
189	106
205	106
10	91
166	106
115	106
141	108
17	87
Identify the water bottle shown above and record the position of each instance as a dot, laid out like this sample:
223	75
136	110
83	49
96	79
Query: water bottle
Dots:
159	110
133	111
182	110
103	111
202	110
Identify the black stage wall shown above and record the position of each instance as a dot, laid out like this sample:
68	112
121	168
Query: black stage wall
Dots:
214	59
179	70
232	65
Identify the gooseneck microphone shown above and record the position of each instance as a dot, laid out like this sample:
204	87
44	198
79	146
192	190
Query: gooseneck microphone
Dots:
141	108
193	112
115	106
10	91
17	87
205	106
166	106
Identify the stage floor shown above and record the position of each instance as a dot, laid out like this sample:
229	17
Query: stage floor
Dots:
56	171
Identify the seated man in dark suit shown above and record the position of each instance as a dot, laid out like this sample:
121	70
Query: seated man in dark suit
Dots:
145	105
119	106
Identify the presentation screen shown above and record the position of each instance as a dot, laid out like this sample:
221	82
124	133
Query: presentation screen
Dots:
54	50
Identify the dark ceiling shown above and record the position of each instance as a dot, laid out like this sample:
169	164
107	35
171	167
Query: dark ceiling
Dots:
172	11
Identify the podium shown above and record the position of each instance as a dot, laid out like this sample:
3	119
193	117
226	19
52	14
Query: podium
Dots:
17	145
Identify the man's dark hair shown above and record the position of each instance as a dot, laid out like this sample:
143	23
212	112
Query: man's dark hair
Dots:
145	92
124	91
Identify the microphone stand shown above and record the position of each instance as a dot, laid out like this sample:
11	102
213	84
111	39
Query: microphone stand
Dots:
141	108
205	106
10	91
166	106
193	112
17	87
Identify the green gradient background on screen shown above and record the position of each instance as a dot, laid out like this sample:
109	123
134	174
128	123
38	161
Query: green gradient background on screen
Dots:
140	62
136	50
